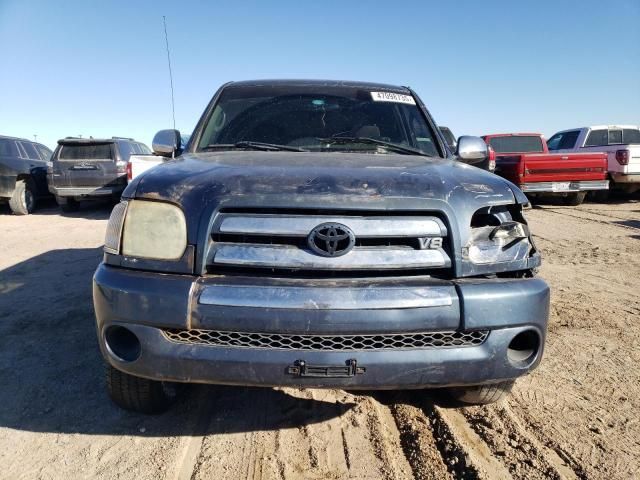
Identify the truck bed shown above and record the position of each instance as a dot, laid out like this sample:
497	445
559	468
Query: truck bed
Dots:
544	172
139	164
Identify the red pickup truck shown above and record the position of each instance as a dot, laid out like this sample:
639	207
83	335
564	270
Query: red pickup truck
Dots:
524	159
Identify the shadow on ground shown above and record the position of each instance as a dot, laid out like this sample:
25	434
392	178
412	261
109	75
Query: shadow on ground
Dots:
51	371
91	209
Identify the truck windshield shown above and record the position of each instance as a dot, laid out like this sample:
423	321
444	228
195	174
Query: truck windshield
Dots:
318	118
517	144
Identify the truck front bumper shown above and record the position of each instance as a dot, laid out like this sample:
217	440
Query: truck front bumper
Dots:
564	187
304	333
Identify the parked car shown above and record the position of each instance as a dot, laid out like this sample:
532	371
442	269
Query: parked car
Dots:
23	173
621	143
318	234
85	168
524	159
450	139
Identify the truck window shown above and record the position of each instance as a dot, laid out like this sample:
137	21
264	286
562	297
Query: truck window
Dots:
8	148
517	143
563	141
144	150
31	151
85	152
45	153
615	137
630	135
597	138
126	150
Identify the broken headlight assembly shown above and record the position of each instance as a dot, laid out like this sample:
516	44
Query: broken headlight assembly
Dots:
498	235
145	229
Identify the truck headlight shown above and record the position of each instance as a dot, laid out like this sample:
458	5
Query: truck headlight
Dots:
145	229
506	242
154	230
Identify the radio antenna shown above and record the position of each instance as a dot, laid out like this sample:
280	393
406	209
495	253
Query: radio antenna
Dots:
166	41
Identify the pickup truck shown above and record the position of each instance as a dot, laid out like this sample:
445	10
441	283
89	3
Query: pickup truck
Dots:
318	234
621	143
138	164
524	159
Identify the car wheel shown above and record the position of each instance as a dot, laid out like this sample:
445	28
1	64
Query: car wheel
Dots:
481	394
23	200
575	199
139	394
68	204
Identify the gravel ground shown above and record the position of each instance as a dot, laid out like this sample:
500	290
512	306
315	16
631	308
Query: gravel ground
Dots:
574	417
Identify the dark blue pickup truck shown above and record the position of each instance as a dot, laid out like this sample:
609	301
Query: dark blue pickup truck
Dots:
318	234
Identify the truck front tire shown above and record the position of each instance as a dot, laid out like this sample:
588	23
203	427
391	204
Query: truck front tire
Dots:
139	394
481	394
23	200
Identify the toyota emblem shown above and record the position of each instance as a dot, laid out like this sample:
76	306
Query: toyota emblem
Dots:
331	239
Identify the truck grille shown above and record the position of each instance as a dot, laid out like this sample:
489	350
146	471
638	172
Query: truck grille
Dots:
328	342
278	240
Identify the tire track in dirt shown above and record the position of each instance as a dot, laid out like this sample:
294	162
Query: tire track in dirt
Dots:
290	434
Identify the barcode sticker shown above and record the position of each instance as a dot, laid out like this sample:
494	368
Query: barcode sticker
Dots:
392	97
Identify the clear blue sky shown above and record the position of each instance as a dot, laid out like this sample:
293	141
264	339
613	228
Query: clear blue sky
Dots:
99	68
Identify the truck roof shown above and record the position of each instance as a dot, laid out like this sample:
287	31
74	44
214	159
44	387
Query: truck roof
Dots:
521	134
323	83
8	137
68	140
599	127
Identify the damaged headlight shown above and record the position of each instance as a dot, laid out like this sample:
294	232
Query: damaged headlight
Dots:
145	229
501	239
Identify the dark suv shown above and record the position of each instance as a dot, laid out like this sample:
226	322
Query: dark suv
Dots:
23	173
84	168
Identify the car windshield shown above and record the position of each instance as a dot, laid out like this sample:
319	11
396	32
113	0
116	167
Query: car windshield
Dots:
317	118
517	144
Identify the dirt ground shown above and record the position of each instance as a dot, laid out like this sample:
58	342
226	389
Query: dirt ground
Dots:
574	417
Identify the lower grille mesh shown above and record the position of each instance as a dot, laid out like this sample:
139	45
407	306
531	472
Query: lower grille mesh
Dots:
328	342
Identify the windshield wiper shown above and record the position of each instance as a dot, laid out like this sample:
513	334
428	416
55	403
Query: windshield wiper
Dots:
373	141
267	147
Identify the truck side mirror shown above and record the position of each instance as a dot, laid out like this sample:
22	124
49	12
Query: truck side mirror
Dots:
167	143
472	150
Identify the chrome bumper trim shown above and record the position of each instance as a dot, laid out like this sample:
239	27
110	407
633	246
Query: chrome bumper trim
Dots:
320	298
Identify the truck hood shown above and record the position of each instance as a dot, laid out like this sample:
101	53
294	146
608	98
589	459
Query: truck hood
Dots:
318	180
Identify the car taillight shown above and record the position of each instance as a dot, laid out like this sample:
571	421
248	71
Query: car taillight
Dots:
121	167
129	172
622	157
492	159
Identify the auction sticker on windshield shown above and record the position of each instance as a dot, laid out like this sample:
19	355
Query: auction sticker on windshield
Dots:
392	97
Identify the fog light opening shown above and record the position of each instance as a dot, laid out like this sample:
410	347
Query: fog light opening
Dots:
122	343
523	348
